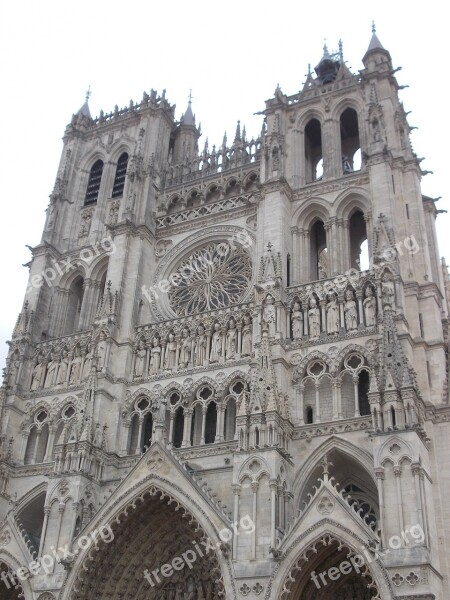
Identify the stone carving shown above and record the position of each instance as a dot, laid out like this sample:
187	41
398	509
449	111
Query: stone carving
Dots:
114	212
101	351
76	367
52	371
85	225
139	364
171	351
247	337
332	314
213	277
155	359
370	307
269	315
200	347
87	365
63	368
231	340
216	344
388	294
297	321
325	505
38	375
186	349
313	318
5	537
350	312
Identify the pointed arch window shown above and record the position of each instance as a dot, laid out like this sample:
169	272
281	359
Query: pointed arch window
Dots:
95	178
119	180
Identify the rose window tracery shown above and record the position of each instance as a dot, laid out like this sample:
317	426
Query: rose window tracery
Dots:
213	277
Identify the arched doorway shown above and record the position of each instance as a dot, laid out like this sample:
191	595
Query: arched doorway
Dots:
10	588
329	570
158	551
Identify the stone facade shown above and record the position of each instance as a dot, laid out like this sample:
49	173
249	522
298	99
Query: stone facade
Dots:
208	394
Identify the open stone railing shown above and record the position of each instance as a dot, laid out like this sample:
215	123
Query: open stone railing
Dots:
202	211
199	341
242	153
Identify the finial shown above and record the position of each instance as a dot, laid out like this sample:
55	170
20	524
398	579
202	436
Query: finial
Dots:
341	50
325	47
269	247
374	29
88	93
309	69
190	96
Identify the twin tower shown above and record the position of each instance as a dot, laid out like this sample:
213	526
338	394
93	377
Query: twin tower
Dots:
228	378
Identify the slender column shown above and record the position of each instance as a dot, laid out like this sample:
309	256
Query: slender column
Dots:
202	439
36	445
220	429
305	318
222	356
50	442
339	398
61	509
280	505
239	340
341	309
334	394
323	304
236	493
380	479
140	434
355	387
317	386
299	392
273	499
425	507
208	346
398	474
255	486
125	438
186	429
360	307
170	440
415	469
44	529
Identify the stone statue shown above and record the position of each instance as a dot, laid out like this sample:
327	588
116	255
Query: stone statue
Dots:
38	375
186	349
231	340
76	367
247	336
87	364
200	347
269	315
155	357
171	353
370	307
388	294
332	314
52	371
297	322
63	368
313	318
350	312
139	363
13	370
216	344
101	351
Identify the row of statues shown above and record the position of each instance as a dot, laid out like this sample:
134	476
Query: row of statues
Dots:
198	348
69	368
337	315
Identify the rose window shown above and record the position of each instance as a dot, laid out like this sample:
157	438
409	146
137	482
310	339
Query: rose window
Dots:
213	277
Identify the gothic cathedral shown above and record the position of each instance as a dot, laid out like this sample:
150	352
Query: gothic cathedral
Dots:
228	379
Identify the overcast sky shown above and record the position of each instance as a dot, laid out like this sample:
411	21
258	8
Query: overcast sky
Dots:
232	54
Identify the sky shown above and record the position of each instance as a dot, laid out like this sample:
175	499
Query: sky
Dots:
231	54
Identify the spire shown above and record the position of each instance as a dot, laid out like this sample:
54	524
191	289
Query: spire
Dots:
237	136
84	110
375	45
188	118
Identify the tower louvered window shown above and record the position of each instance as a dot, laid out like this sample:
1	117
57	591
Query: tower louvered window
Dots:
121	171
95	178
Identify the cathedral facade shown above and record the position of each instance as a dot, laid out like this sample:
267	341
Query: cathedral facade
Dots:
228	378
